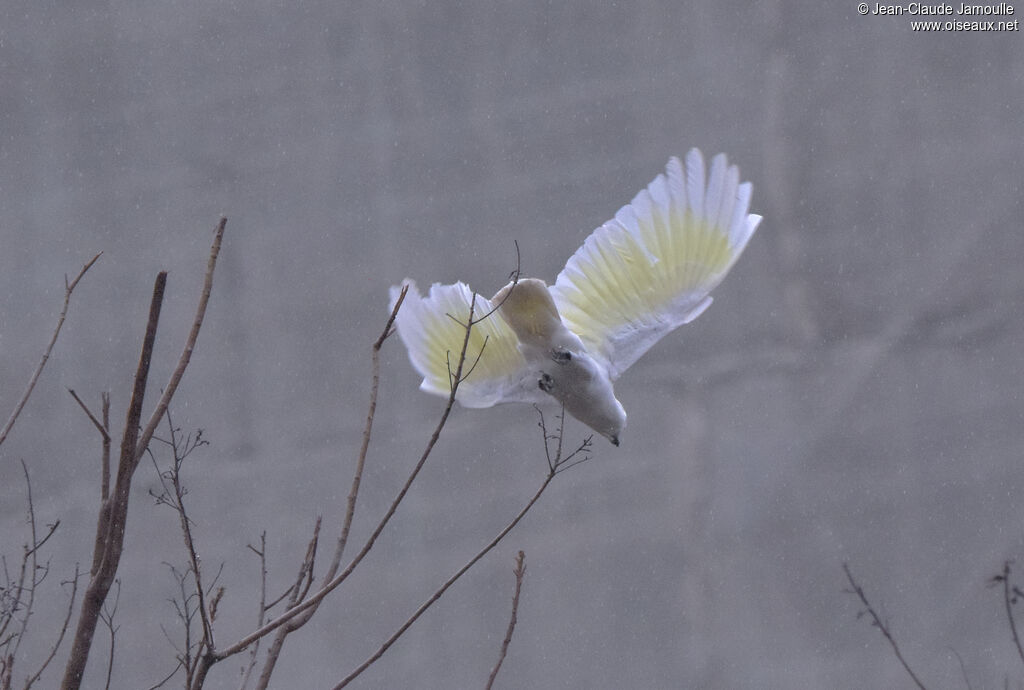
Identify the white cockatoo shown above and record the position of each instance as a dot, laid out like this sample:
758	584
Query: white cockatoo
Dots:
636	278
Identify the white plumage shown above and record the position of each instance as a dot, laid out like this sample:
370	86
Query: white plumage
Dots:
636	278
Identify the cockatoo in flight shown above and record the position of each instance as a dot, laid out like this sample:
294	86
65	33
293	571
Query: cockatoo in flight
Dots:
636	278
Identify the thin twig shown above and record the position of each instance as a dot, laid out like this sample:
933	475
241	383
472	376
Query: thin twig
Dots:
1009	599
104	429
444	588
367	432
963	668
274	650
108	620
190	344
519	572
68	289
333	583
299	590
166	678
878	623
186	531
63	631
260	617
113	513
34	573
552	473
105	459
29	563
92	418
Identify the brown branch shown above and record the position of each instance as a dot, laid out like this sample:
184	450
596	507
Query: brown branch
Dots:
262	553
113	513
89	414
444	588
114	510
29	567
275	649
556	466
314	600
108	620
68	289
1009	599
299	591
104	429
190	343
303	610
60	636
205	618
519	572
878	623
105	459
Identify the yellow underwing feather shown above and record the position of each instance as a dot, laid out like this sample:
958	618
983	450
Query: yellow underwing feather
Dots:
650	269
433	329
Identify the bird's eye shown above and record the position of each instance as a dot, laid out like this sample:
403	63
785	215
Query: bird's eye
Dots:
561	356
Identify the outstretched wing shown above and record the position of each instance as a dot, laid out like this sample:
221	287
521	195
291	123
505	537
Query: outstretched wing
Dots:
433	331
650	269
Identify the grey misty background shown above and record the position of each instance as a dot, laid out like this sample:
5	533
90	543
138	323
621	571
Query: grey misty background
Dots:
854	394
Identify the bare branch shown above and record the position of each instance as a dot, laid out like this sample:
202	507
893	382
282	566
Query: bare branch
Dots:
298	592
190	343
448	583
108	620
275	649
104	429
307	607
367	432
68	289
963	668
186	530
1010	595
519	572
63	631
253	653
166	678
331	584
878	623
105	459
30	563
85	408
114	511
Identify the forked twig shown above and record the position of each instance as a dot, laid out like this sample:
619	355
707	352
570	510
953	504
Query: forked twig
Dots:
878	623
555	468
110	528
108	620
1010	595
333	583
261	615
68	289
275	649
190	344
298	614
60	636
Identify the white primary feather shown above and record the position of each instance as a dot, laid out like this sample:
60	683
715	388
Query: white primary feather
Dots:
651	268
639	276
